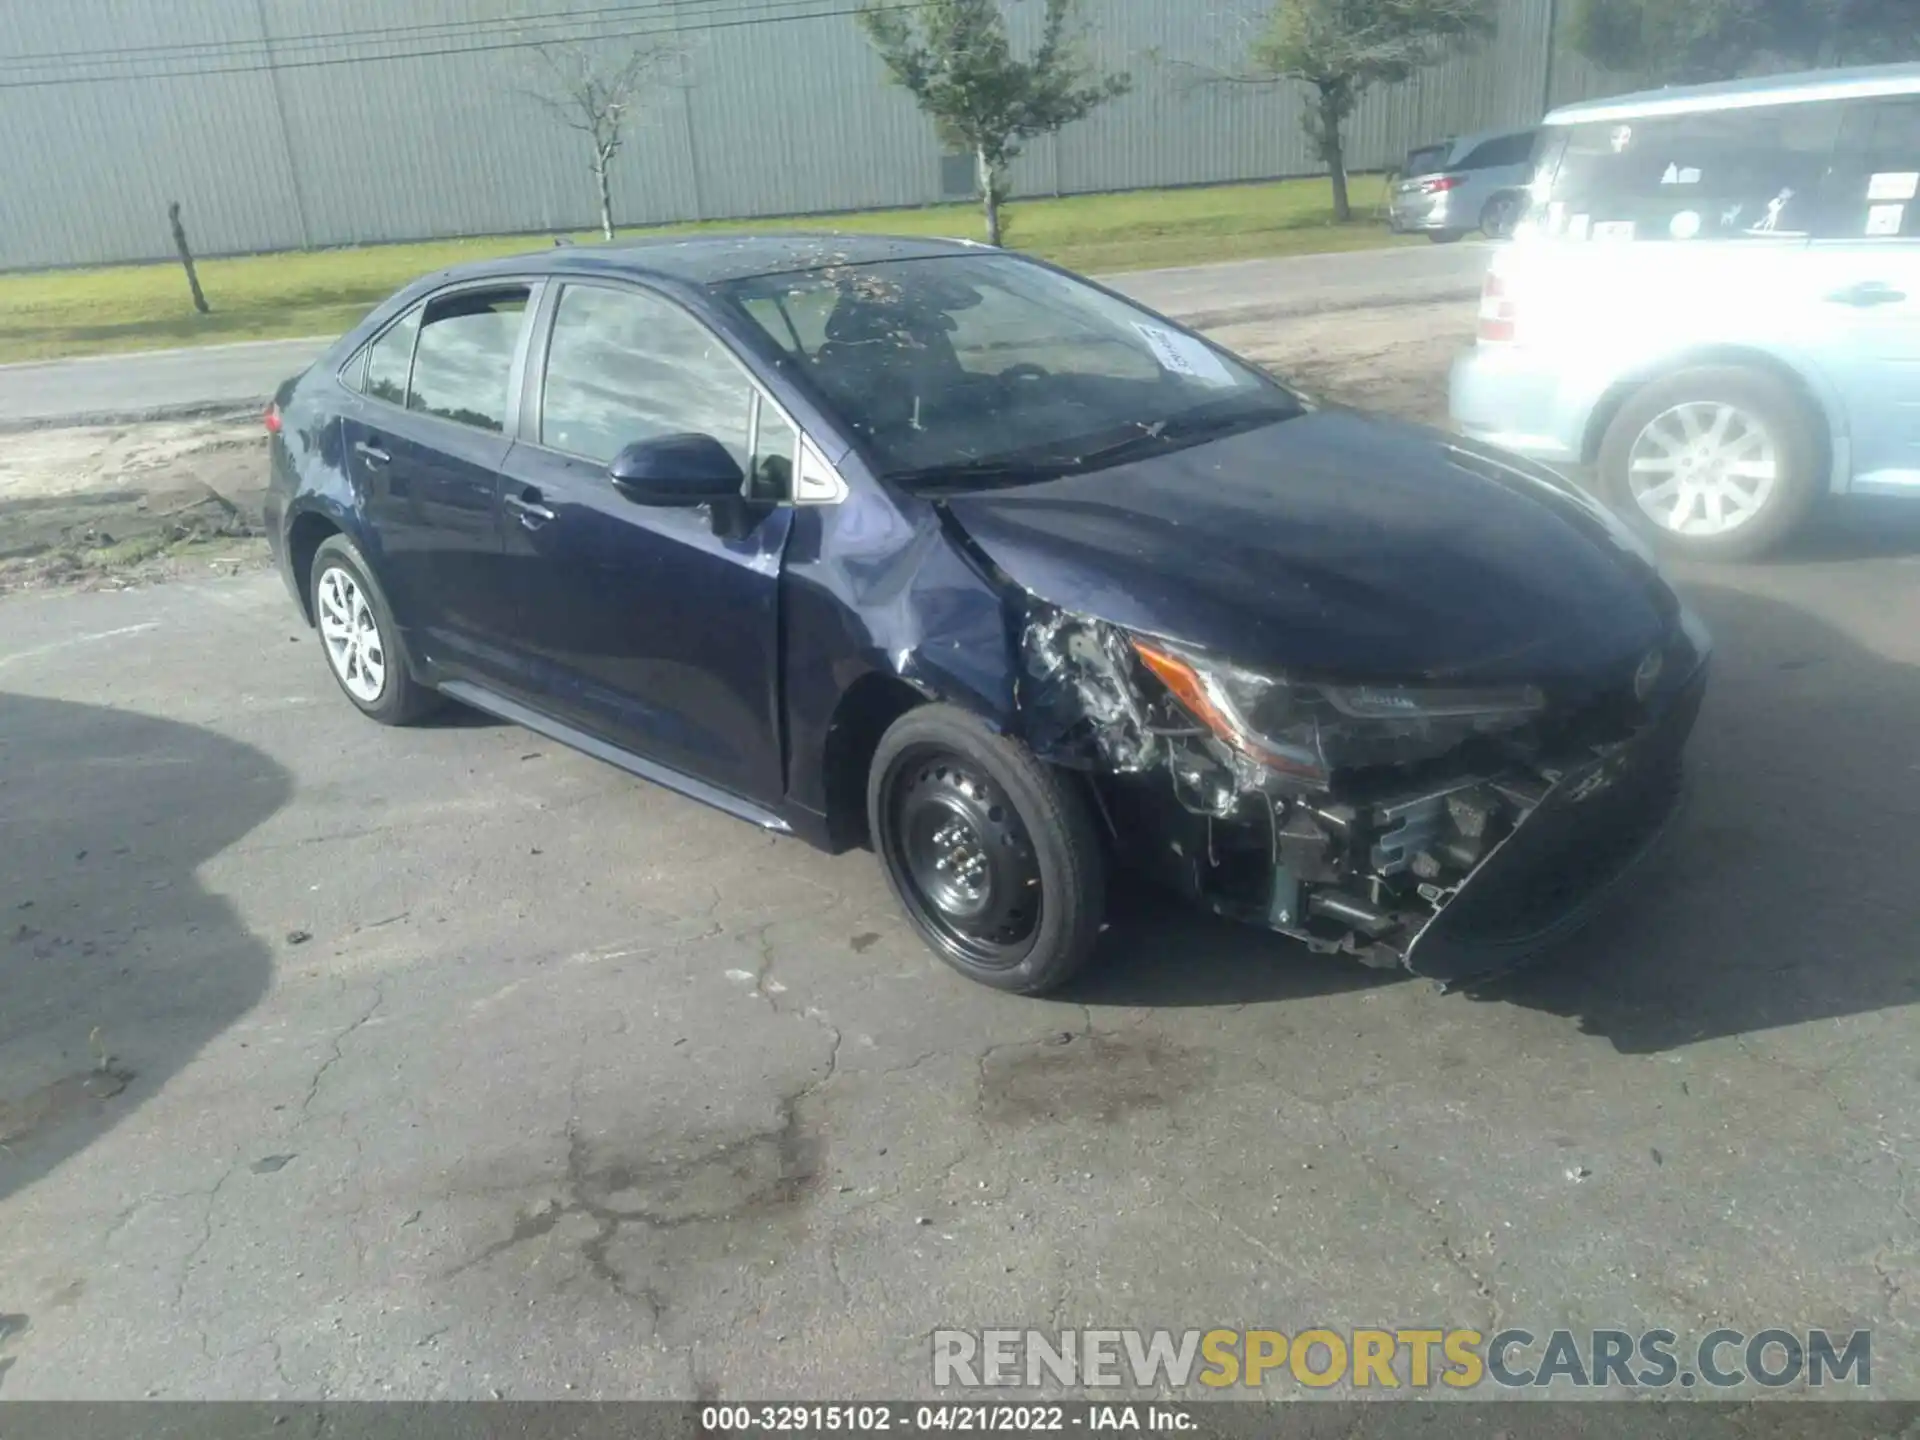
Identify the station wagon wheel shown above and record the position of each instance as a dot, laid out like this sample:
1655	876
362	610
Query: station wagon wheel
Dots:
1497	218
1703	468
991	852
362	643
1718	462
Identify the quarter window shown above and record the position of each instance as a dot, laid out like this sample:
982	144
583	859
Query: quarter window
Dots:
624	365
463	362
1873	190
390	358
776	450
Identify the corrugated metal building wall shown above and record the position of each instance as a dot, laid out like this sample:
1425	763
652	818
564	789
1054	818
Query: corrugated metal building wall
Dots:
279	124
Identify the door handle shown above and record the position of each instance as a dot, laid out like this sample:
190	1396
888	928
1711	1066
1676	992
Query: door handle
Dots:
527	505
1868	292
372	454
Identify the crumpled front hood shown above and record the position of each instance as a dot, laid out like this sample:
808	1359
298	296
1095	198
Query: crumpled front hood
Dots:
1338	545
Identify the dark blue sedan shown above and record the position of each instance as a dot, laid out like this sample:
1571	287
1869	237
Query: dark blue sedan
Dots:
940	549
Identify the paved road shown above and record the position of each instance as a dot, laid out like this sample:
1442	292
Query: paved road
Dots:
158	383
445	1062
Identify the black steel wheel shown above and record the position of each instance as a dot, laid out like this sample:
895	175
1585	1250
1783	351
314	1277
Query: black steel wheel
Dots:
992	853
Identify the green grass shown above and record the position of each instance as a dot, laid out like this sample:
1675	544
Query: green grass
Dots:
50	314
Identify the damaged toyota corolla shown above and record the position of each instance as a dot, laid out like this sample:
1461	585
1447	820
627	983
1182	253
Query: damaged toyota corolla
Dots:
942	549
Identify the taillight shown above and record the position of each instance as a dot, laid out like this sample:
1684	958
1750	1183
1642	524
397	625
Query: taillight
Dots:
272	419
1497	312
1439	183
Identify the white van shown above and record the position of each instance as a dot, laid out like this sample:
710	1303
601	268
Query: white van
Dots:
1714	297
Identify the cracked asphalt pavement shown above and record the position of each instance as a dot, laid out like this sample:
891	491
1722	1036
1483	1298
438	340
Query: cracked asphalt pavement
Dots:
338	1061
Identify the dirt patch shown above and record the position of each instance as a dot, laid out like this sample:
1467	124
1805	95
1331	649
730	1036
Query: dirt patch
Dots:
1394	359
123	505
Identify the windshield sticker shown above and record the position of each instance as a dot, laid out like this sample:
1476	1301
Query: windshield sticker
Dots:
1685	225
1613	230
1621	137
1894	185
1579	226
1680	175
1885	219
1184	356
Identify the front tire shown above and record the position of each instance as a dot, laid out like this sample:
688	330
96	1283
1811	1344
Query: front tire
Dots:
992	853
1717	462
361	641
1445	237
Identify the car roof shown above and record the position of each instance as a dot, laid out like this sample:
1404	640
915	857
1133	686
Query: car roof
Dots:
710	259
1861	82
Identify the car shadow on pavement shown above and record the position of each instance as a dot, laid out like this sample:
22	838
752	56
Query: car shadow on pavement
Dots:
1863	528
116	967
1161	951
1785	893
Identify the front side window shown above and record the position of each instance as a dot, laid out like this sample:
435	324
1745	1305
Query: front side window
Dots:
625	365
1873	190
1716	175
999	368
463	360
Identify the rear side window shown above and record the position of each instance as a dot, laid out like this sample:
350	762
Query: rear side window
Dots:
624	365
1873	190
390	358
463	360
1500	153
1716	175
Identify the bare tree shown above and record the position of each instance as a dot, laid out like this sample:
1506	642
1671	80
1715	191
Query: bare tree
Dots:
597	87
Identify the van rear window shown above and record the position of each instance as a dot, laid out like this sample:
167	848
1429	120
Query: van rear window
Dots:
1715	175
1428	160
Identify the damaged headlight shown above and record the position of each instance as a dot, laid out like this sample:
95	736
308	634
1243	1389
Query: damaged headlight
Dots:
1312	729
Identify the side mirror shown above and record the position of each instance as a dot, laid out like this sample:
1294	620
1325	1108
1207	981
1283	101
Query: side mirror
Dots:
689	469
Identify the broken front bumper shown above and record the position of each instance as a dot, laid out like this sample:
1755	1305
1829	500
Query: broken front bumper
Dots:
1459	869
1564	857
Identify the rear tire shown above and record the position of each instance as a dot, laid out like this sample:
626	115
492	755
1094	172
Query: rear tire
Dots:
1717	462
362	643
992	853
1445	237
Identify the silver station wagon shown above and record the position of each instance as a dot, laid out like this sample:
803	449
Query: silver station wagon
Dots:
1714	298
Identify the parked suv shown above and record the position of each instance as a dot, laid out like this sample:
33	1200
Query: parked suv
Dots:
1715	298
1478	182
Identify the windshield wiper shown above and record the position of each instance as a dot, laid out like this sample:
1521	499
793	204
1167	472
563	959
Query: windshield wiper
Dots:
1204	422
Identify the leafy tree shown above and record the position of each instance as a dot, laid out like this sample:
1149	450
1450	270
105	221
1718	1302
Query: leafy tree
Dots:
954	58
1687	40
1339	48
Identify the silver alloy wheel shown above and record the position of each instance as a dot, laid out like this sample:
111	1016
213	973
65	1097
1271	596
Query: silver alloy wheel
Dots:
352	635
1703	468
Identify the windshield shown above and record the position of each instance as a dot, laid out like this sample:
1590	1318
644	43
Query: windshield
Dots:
991	368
